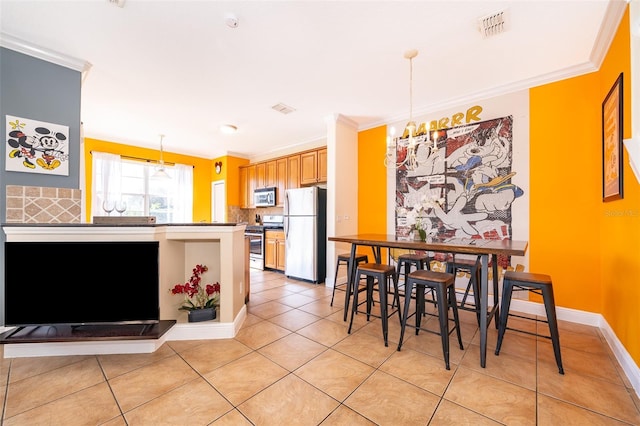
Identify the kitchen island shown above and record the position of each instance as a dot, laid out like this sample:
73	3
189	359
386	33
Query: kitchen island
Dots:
181	246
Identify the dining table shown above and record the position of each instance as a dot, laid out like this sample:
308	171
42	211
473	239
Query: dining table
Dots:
485	248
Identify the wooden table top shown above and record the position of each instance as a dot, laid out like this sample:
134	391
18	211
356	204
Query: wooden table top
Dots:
457	245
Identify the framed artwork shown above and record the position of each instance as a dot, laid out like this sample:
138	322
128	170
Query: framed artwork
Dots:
36	147
612	143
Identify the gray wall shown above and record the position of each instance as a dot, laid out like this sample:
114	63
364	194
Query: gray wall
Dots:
39	90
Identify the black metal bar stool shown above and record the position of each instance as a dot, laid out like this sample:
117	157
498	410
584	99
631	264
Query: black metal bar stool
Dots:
379	274
343	259
472	267
406	262
443	285
535	283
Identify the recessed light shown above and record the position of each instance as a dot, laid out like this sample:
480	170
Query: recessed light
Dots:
228	128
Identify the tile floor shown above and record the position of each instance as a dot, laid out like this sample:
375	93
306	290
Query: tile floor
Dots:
293	363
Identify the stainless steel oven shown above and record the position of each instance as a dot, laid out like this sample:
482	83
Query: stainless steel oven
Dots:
256	248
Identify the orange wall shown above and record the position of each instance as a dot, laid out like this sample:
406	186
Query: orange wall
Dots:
372	181
202	173
620	219
589	247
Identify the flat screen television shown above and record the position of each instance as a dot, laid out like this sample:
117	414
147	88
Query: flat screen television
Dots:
81	283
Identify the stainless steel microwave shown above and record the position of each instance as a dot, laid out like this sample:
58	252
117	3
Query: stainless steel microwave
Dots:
264	197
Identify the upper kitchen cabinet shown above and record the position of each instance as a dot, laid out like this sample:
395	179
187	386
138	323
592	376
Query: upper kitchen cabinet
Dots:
261	176
281	179
293	171
247	186
271	173
313	167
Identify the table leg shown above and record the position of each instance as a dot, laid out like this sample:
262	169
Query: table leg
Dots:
484	299
496	303
376	254
350	280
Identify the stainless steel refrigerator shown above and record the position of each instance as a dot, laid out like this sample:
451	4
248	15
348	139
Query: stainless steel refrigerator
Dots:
305	229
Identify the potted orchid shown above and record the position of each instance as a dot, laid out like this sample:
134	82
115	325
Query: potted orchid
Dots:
200	301
417	218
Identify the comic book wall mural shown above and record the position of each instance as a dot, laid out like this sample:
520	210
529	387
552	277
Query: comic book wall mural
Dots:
36	146
462	190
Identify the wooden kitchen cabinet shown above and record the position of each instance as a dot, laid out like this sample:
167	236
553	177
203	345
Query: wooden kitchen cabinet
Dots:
271	174
293	171
313	167
261	173
281	180
322	165
274	250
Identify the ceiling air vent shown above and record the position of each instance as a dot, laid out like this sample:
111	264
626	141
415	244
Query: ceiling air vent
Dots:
493	24
285	109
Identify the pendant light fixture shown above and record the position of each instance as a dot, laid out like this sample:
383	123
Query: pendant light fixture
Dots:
161	173
407	145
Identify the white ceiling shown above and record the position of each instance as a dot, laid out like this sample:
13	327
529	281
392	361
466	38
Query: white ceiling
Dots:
175	67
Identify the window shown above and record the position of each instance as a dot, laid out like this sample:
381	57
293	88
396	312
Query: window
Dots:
129	188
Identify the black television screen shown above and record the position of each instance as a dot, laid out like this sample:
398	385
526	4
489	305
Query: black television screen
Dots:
81	282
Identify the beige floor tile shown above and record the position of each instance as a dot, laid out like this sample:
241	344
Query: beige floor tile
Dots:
34	391
449	413
261	334
554	412
431	344
241	379
292	351
334	373
22	368
494	398
180	346
513	343
346	416
269	309
577	328
597	365
318	292
294	319
5	364
232	418
214	353
251	320
296	300
276	293
387	400
257	299
597	395
321	307
194	403
510	368
366	348
151	381
582	342
115	365
425	371
118	421
287	402
93	405
324	331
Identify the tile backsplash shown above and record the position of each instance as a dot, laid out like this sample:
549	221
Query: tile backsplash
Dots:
35	204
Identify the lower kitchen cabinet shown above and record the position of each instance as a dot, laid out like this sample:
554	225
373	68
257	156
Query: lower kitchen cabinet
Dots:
274	250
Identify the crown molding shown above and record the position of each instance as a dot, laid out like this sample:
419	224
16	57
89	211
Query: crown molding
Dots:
10	42
613	16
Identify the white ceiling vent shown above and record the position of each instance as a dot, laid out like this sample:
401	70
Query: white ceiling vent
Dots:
285	109
493	24
119	3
